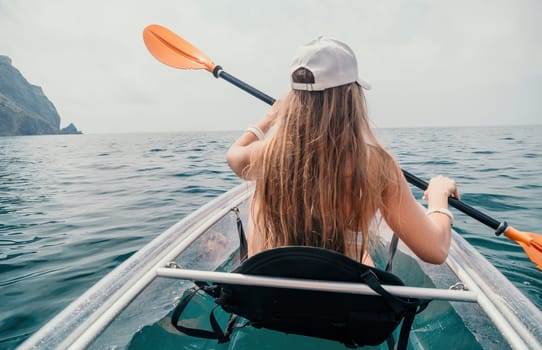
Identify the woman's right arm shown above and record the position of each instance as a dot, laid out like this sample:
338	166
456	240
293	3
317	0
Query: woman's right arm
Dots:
428	236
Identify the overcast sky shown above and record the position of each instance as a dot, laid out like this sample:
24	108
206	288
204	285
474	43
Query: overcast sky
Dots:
431	63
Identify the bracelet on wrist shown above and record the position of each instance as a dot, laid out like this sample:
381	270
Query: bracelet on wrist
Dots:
442	211
260	135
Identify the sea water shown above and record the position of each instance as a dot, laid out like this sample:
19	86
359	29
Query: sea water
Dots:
72	207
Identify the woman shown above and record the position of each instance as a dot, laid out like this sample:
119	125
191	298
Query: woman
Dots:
322	176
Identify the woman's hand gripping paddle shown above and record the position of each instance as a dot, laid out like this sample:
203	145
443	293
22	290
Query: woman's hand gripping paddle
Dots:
530	242
170	49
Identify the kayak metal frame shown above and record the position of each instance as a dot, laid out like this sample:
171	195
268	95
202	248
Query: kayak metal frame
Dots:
324	286
79	324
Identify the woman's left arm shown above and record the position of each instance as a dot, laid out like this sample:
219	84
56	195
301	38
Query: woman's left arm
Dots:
241	151
240	154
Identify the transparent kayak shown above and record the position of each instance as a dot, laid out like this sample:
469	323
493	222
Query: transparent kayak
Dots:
474	306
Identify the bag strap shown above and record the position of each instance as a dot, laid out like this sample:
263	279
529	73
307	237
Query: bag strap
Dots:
243	246
217	333
391	252
392	249
407	324
407	309
369	277
194	332
221	336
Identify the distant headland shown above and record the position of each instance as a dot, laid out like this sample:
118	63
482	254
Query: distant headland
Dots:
24	108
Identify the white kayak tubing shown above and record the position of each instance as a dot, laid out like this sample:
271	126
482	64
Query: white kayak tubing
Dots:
327	286
495	305
502	321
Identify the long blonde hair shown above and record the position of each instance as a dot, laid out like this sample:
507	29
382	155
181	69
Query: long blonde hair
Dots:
313	182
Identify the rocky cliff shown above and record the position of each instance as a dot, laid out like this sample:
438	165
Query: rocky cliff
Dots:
24	108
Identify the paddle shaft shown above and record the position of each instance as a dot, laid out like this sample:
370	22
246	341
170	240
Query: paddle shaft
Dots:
218	72
499	227
459	205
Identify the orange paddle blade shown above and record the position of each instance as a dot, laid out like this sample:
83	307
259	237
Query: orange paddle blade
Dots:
530	242
168	48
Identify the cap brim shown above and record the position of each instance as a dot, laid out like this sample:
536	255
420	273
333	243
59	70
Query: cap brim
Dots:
363	83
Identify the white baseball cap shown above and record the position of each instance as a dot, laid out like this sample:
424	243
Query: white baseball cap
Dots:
332	63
